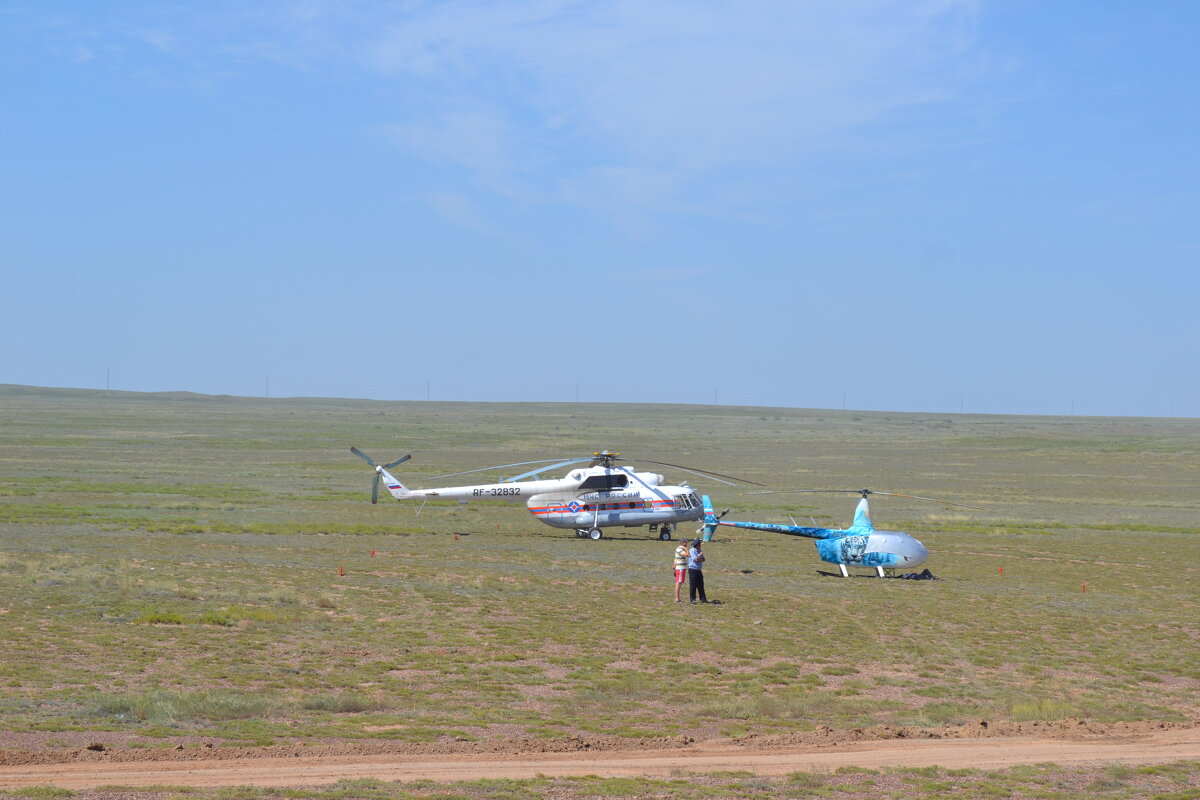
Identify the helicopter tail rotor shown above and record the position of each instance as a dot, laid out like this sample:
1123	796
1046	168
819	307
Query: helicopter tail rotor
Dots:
711	519
379	469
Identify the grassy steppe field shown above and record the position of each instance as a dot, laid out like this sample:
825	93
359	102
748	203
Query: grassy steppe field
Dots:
180	565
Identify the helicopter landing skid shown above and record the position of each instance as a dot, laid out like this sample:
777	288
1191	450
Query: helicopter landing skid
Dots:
880	572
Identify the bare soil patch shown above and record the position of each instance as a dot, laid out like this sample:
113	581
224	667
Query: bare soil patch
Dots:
980	745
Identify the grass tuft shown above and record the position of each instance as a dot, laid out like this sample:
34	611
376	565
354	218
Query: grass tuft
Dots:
162	706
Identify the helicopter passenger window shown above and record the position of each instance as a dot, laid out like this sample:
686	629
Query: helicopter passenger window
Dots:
631	505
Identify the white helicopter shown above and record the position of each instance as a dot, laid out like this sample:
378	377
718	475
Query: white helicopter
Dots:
588	498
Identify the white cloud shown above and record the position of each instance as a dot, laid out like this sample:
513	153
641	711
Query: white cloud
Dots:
156	37
458	209
630	91
475	139
597	101
680	82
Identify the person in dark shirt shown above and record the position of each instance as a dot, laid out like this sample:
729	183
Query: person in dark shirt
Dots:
696	572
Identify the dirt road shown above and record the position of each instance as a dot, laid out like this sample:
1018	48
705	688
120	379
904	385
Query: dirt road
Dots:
1155	747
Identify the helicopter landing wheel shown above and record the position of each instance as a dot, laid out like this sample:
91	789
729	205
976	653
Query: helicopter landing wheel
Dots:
581	533
665	536
595	534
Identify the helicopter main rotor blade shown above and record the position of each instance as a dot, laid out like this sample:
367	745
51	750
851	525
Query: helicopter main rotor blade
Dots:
554	463
805	491
864	493
716	476
929	499
498	466
543	469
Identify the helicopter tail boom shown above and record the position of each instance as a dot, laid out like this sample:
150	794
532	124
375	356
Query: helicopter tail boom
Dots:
790	530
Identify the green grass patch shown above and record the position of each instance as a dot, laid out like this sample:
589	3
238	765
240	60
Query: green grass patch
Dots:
163	706
152	555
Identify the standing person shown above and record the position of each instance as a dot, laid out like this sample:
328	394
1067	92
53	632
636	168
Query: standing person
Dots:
682	555
696	572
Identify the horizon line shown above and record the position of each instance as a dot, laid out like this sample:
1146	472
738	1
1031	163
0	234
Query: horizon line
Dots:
4	386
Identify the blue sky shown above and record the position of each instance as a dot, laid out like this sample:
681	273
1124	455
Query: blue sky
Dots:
911	206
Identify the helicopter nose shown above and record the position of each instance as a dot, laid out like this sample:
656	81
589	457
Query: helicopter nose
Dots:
918	554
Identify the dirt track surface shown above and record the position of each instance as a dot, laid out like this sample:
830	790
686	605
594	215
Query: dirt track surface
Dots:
767	756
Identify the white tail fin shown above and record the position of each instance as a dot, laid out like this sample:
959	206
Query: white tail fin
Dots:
395	488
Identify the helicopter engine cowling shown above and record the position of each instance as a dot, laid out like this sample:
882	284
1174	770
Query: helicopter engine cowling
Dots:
650	478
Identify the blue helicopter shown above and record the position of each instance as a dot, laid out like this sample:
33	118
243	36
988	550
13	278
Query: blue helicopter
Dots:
860	545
